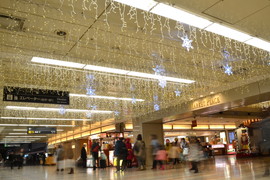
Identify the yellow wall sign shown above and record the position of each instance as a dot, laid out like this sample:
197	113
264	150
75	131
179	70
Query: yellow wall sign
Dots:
206	102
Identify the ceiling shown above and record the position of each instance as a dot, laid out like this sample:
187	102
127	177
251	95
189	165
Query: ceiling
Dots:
106	33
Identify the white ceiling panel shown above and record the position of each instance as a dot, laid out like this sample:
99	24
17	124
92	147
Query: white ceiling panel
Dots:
232	11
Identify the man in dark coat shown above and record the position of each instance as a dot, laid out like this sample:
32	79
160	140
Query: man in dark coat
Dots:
94	150
84	155
120	153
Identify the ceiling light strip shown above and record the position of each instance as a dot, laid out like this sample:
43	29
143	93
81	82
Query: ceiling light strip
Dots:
44	119
104	97
111	70
55	109
46	125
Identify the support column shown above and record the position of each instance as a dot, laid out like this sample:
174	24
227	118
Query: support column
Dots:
148	129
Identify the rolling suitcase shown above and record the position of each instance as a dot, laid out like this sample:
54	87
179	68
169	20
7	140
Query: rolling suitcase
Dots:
102	163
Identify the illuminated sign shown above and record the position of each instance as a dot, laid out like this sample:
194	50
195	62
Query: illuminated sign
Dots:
41	130
206	102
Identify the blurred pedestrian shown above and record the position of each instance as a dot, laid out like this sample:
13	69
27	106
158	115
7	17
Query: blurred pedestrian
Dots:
161	157
84	155
130	153
155	147
139	152
174	154
120	153
60	158
94	150
70	163
195	154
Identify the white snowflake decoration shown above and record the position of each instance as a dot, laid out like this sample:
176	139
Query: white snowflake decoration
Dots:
156	107
62	110
177	92
90	91
162	82
228	69
186	42
159	70
89	114
134	100
116	113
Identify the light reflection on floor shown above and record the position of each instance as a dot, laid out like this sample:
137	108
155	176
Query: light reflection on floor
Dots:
222	167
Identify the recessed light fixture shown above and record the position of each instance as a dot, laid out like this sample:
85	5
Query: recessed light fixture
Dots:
191	98
201	95
212	92
55	109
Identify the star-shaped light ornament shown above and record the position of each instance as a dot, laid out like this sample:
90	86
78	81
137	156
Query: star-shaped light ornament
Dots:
94	107
177	92
90	77
162	82
134	100
226	54
89	114
62	110
228	69
156	107
159	70
187	43
90	91
116	113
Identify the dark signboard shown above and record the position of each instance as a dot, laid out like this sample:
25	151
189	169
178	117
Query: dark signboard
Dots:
18	94
194	123
41	130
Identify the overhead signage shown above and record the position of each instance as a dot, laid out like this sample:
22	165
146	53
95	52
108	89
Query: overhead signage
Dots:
32	95
41	130
206	102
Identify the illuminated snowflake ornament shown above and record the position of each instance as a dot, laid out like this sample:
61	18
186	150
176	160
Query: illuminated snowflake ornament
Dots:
177	92
226	54
186	43
228	69
90	77
90	91
89	114
159	70
62	110
162	82
156	107
116	113
134	100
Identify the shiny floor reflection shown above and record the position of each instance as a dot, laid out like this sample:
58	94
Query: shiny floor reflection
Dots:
222	167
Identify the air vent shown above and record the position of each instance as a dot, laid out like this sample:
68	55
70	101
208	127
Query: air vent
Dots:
11	23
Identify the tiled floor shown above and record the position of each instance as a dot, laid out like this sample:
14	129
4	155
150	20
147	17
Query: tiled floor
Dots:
226	167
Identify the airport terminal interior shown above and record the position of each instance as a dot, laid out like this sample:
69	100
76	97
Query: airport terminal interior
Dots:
134	89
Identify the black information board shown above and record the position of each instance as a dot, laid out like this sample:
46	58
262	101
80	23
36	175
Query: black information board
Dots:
41	130
18	94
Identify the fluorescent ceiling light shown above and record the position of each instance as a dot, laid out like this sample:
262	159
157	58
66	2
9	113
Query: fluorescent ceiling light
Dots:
27	136
145	5
26	125
228	32
117	71
17	133
105	69
104	97
20	130
180	15
57	62
259	43
55	109
45	119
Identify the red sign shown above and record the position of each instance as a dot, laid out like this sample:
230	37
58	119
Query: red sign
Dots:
194	123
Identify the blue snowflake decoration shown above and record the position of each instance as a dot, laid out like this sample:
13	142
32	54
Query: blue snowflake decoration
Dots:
228	69
134	100
226	54
90	91
116	113
132	87
89	114
177	92
94	107
159	70
162	82
90	77
156	107
62	110
187	42
155	98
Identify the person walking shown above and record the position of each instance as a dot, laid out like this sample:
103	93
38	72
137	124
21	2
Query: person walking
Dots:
155	147
195	154
139	152
174	154
130	153
60	158
120	153
94	150
161	157
84	155
70	163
